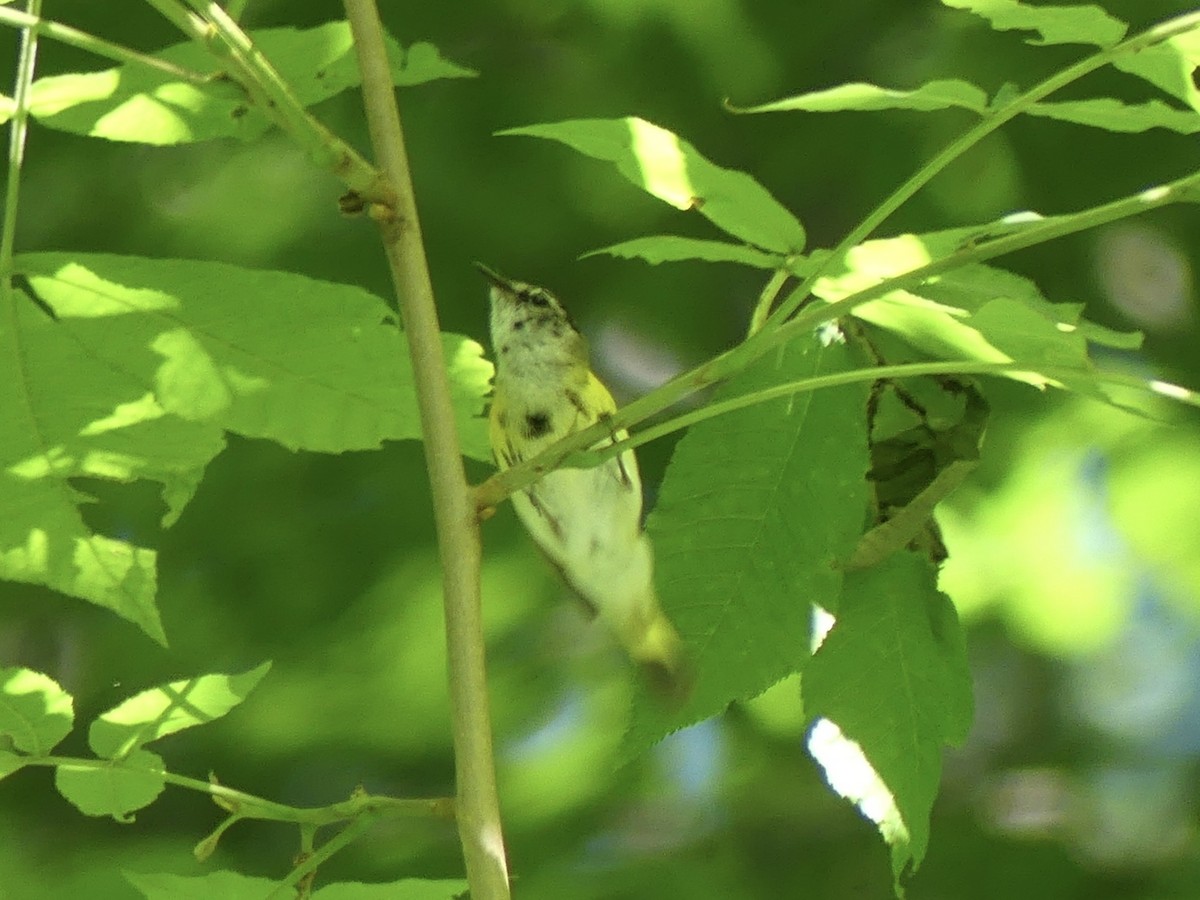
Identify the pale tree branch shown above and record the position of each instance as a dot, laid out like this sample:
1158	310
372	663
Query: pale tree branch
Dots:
455	513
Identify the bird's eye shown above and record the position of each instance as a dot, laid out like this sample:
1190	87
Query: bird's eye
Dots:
538	298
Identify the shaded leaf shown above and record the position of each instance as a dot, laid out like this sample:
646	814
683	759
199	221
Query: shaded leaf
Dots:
865	97
226	885
136	103
116	789
892	675
755	509
10	762
405	889
671	169
1080	24
168	708
662	248
35	712
914	470
235	886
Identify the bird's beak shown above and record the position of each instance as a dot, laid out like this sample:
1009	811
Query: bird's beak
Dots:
494	277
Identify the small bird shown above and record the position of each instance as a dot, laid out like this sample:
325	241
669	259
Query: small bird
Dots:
587	521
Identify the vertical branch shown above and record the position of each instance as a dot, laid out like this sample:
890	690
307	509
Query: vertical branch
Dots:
453	501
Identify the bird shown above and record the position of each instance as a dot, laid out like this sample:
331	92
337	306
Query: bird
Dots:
587	521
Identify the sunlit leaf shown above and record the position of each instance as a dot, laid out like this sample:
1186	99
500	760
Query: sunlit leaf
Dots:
1079	24
974	312
35	712
1170	65
168	708
124	369
136	103
116	789
671	169
892	675
662	248
865	97
755	510
1114	115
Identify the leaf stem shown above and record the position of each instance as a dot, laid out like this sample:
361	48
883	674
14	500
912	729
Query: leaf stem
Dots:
311	861
500	485
248	806
590	458
990	122
83	40
210	25
455	513
26	63
762	309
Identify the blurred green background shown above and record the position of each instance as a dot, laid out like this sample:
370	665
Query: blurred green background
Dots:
1075	549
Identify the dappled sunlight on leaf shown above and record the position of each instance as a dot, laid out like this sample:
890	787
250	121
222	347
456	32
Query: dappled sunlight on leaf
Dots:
35	712
661	164
167	709
671	169
145	366
137	103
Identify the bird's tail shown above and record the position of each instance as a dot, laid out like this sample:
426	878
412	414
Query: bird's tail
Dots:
653	643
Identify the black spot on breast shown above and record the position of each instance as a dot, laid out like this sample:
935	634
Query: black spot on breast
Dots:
518	325
537	424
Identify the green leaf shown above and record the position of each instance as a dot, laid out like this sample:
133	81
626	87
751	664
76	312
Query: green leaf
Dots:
914	470
234	886
1114	115
10	762
405	889
35	712
867	97
1169	65
664	165
662	248
168	708
117	789
136	103
225	885
123	369
892	676
974	312
755	509
1054	24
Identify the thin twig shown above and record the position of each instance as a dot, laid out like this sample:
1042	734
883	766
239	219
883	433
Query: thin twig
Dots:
26	63
500	485
455	515
1060	374
993	119
308	865
249	806
65	34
